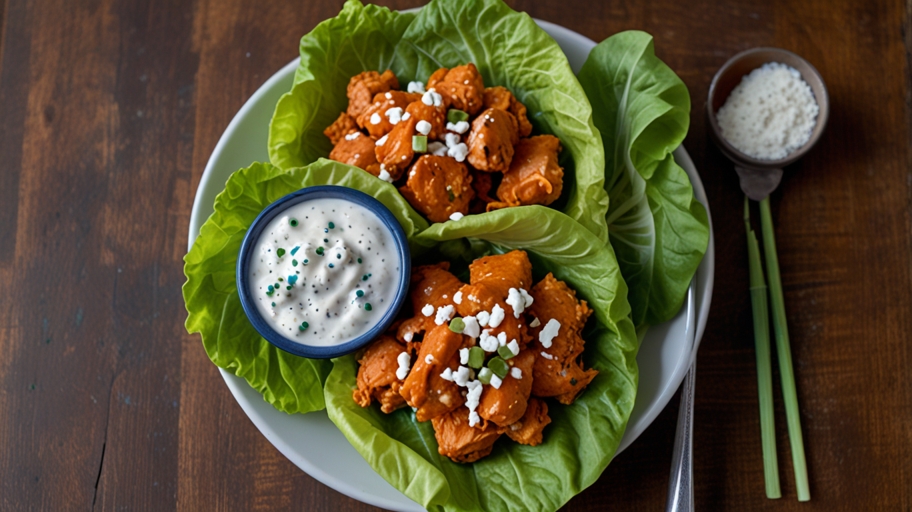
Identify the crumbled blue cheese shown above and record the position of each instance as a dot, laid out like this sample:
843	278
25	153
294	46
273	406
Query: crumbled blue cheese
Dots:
408	336
457	297
459	152
456	216
464	356
429	359
502	339
461	376
483	316
460	127
394	114
384	174
535	322
375	118
447	374
548	333
497	316
547	356
471	326
423	127
452	140
444	314
437	148
474	419
487	342
415	87
516	373
514	347
382	140
519	300
432	99
427	310
496	381
406	116
352	135
404	361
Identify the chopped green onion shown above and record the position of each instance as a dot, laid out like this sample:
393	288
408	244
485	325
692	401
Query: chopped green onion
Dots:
419	143
476	357
485	375
280	252
454	116
505	352
498	366
457	325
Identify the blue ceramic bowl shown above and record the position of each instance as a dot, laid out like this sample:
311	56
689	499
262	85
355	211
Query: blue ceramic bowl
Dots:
275	209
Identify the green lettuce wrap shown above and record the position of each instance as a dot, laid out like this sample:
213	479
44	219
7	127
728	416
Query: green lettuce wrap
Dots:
582	438
290	383
508	48
657	228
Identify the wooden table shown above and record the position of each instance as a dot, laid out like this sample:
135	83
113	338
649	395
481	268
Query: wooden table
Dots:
110	109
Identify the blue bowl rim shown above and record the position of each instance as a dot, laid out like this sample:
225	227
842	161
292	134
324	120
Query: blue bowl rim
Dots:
274	210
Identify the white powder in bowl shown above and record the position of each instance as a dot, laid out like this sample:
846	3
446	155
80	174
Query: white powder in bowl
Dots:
770	114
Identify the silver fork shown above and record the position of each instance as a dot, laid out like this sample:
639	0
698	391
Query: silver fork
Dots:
680	485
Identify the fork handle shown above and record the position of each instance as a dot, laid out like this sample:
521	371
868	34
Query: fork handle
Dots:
680	484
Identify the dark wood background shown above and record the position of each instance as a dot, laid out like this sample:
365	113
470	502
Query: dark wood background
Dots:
110	109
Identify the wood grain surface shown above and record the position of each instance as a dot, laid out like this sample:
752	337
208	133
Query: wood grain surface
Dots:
109	110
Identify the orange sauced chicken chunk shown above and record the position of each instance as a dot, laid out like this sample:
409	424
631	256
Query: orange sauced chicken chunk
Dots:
356	149
394	150
535	177
342	126
494	133
528	430
491	278
558	372
438	187
507	404
462	87
364	86
500	97
424	388
432	287
434	115
460	442
378	118
377	375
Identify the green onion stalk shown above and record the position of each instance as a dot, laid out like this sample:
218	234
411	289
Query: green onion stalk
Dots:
764	367
784	352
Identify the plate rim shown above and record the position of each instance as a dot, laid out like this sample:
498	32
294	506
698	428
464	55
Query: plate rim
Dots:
697	302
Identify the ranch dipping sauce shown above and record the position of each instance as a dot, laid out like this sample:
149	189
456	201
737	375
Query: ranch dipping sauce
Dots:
324	271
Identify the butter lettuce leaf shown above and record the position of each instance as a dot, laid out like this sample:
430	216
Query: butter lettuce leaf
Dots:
659	231
582	438
288	382
508	48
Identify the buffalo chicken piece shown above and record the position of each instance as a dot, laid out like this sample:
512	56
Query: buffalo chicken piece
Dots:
364	86
342	126
534	177
500	97
558	371
507	404
494	133
394	150
378	118
356	149
431	285
528	430
377	375
491	278
438	187
460	442
424	388
462	87
435	116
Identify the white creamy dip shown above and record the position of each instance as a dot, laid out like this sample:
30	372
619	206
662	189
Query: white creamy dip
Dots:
324	271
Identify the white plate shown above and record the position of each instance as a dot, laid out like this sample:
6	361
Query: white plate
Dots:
311	441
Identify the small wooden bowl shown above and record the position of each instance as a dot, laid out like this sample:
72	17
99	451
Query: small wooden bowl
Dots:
730	75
